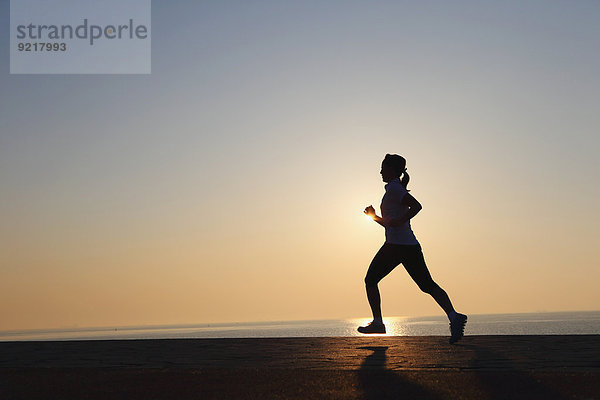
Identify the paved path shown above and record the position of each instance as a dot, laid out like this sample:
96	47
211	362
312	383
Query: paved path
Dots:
493	353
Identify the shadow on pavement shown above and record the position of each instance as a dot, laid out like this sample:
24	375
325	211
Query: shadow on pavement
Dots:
379	382
507	382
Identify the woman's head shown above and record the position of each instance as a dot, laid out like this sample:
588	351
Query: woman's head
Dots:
394	166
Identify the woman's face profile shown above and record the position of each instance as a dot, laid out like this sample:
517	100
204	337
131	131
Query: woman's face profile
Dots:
387	173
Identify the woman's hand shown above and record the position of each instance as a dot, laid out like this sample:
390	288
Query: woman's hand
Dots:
370	211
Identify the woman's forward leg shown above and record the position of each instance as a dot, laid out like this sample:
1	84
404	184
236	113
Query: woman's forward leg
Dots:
383	263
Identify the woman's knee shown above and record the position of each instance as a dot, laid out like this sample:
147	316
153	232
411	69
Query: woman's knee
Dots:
371	281
429	286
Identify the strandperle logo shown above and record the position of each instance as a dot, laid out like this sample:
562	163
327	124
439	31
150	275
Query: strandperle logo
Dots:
83	31
80	37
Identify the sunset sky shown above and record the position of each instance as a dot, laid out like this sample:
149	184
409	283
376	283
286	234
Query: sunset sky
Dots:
229	184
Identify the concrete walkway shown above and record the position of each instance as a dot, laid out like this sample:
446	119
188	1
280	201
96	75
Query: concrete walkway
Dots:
479	367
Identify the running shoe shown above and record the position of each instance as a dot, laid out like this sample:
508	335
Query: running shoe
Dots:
457	328
373	327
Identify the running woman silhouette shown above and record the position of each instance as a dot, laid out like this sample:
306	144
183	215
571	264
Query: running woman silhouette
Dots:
402	247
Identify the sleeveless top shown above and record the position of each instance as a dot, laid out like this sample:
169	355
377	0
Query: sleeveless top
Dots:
392	207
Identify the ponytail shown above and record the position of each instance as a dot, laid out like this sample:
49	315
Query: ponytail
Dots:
405	178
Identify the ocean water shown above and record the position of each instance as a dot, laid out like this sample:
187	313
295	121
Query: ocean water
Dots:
556	323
